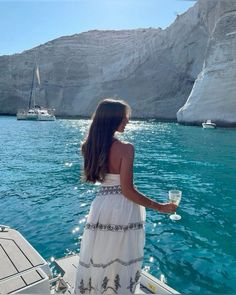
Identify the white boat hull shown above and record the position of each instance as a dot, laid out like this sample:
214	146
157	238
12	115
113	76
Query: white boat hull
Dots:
22	116
209	126
37	115
46	118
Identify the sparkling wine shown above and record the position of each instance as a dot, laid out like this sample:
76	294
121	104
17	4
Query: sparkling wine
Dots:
175	198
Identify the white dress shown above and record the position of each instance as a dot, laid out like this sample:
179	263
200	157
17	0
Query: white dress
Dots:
111	251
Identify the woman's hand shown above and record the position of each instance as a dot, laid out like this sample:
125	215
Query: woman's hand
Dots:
167	208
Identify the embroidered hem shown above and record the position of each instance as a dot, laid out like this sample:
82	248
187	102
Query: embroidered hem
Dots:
113	286
124	263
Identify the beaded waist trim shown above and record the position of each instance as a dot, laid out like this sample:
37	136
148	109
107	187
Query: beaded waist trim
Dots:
109	190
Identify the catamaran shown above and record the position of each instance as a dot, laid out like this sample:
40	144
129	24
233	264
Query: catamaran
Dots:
35	112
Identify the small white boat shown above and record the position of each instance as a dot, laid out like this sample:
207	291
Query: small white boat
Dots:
208	124
23	270
35	112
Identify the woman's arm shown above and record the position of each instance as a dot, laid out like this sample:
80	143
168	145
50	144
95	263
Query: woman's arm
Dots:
127	187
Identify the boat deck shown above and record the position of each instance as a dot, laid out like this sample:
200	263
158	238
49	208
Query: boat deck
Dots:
21	266
149	284
23	270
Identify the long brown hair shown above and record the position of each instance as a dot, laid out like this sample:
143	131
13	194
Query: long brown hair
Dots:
95	149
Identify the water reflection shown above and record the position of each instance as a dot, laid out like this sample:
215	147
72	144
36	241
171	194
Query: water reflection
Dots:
42	195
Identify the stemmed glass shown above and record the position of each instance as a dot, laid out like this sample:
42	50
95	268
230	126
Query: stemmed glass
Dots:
175	198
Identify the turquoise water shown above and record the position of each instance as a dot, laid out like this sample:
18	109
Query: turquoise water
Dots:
41	195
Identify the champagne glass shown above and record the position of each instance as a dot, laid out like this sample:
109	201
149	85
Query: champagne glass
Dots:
175	197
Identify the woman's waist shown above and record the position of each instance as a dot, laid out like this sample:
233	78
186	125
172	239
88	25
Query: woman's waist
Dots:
109	190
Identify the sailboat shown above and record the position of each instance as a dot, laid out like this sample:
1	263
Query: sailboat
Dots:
35	112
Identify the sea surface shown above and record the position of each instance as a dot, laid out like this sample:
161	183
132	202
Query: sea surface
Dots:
42	196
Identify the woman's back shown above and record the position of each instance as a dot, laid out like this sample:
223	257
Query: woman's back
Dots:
115	157
111	251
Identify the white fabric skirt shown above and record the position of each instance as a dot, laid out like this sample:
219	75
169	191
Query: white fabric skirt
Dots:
111	251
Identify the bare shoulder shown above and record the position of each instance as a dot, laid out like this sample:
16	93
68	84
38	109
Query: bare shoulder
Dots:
125	147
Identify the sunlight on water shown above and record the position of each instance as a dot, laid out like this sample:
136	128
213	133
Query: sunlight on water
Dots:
151	259
68	164
42	195
80	126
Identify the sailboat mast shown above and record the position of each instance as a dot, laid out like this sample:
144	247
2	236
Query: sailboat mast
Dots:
32	86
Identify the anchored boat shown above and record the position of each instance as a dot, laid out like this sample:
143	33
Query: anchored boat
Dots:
208	124
24	270
35	112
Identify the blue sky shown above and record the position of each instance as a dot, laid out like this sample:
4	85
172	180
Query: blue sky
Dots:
26	24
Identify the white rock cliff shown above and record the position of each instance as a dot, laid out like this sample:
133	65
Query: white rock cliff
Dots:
214	92
153	69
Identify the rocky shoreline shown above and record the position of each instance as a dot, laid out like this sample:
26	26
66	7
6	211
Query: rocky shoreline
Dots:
185	72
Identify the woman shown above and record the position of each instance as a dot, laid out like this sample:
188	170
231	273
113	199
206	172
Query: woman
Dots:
112	246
